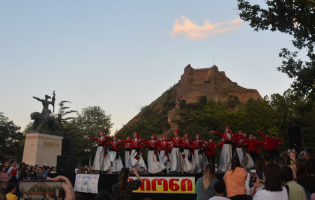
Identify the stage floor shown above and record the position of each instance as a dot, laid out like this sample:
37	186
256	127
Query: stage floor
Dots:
106	181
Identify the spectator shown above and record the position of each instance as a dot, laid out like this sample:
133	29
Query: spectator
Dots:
32	173
103	195
273	189
280	161
219	188
11	191
304	175
259	165
123	189
13	164
287	160
53	170
311	164
7	165
309	153
36	169
296	192
40	175
14	174
4	179
86	169
91	171
81	170
267	157
235	180
205	185
47	170
23	174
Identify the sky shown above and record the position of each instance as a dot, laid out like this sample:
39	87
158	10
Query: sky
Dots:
122	55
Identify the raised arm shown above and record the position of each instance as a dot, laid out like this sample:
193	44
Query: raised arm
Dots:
217	133
142	139
260	142
262	135
94	139
38	99
126	141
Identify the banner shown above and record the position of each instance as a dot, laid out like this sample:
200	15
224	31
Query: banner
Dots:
166	185
87	183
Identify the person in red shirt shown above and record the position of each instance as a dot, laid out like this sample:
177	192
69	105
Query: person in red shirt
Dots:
101	159
163	151
275	146
220	145
189	152
128	148
268	143
200	158
245	159
253	145
116	164
212	150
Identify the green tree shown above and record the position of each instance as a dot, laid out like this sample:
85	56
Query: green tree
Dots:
296	18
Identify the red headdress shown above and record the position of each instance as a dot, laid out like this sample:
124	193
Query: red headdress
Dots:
137	134
198	135
164	138
128	137
115	137
153	136
176	131
102	131
187	136
228	128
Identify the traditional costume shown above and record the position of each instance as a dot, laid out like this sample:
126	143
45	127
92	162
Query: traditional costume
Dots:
164	154
212	152
155	164
269	143
116	163
189	152
245	159
228	149
128	147
135	156
178	161
101	159
200	158
253	145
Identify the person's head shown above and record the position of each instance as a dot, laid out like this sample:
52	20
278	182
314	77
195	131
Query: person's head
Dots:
292	153
197	136
6	164
47	169
309	153
259	164
267	135
36	167
40	169
32	169
135	135
24	170
210	140
103	195
128	138
11	187
280	161
272	177
152	137
164	138
114	138
123	178
219	187
302	168
206	142
286	158
13	163
227	129
176	133
250	136
208	173
3	168
102	133
267	157
254	137
287	174
235	161
85	167
311	164
273	136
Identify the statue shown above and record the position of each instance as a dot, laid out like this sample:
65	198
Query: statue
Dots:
45	118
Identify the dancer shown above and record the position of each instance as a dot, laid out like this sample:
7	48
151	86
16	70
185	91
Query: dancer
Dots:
220	145
275	146
101	159
253	145
228	148
155	164
135	153
179	162
128	148
212	150
246	160
200	158
115	159
142	165
164	154
189	152
268	143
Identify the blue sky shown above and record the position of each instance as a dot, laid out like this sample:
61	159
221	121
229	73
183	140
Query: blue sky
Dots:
122	55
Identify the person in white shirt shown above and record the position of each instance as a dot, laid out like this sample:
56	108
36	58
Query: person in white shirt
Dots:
219	188
272	188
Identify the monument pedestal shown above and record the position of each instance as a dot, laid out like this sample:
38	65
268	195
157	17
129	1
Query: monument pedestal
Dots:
42	148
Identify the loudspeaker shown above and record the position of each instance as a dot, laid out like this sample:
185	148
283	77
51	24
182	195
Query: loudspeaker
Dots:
67	147
296	139
65	164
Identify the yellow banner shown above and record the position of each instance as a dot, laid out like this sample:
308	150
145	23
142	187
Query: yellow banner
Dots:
166	185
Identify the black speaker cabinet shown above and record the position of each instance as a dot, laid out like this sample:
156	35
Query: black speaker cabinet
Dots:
65	164
67	147
296	139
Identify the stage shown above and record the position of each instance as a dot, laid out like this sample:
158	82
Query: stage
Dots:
106	181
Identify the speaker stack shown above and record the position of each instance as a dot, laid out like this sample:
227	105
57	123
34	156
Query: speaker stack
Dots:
296	139
66	162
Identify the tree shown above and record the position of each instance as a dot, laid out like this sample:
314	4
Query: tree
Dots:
296	18
67	130
10	137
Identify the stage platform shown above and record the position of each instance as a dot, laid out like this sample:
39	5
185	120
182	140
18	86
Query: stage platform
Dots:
106	181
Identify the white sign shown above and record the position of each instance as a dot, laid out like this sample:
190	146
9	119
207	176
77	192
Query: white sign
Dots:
87	183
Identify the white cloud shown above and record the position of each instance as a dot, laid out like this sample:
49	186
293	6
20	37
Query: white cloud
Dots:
195	32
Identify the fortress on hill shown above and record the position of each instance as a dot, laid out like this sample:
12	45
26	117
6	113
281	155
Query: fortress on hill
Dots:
212	83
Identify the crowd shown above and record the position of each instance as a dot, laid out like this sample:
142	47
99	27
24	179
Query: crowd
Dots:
285	177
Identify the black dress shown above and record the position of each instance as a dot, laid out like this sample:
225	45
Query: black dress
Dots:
126	194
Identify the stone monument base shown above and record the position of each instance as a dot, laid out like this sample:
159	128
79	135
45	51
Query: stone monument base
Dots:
42	148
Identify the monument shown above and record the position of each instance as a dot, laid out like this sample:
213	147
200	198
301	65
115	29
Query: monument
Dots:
43	146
